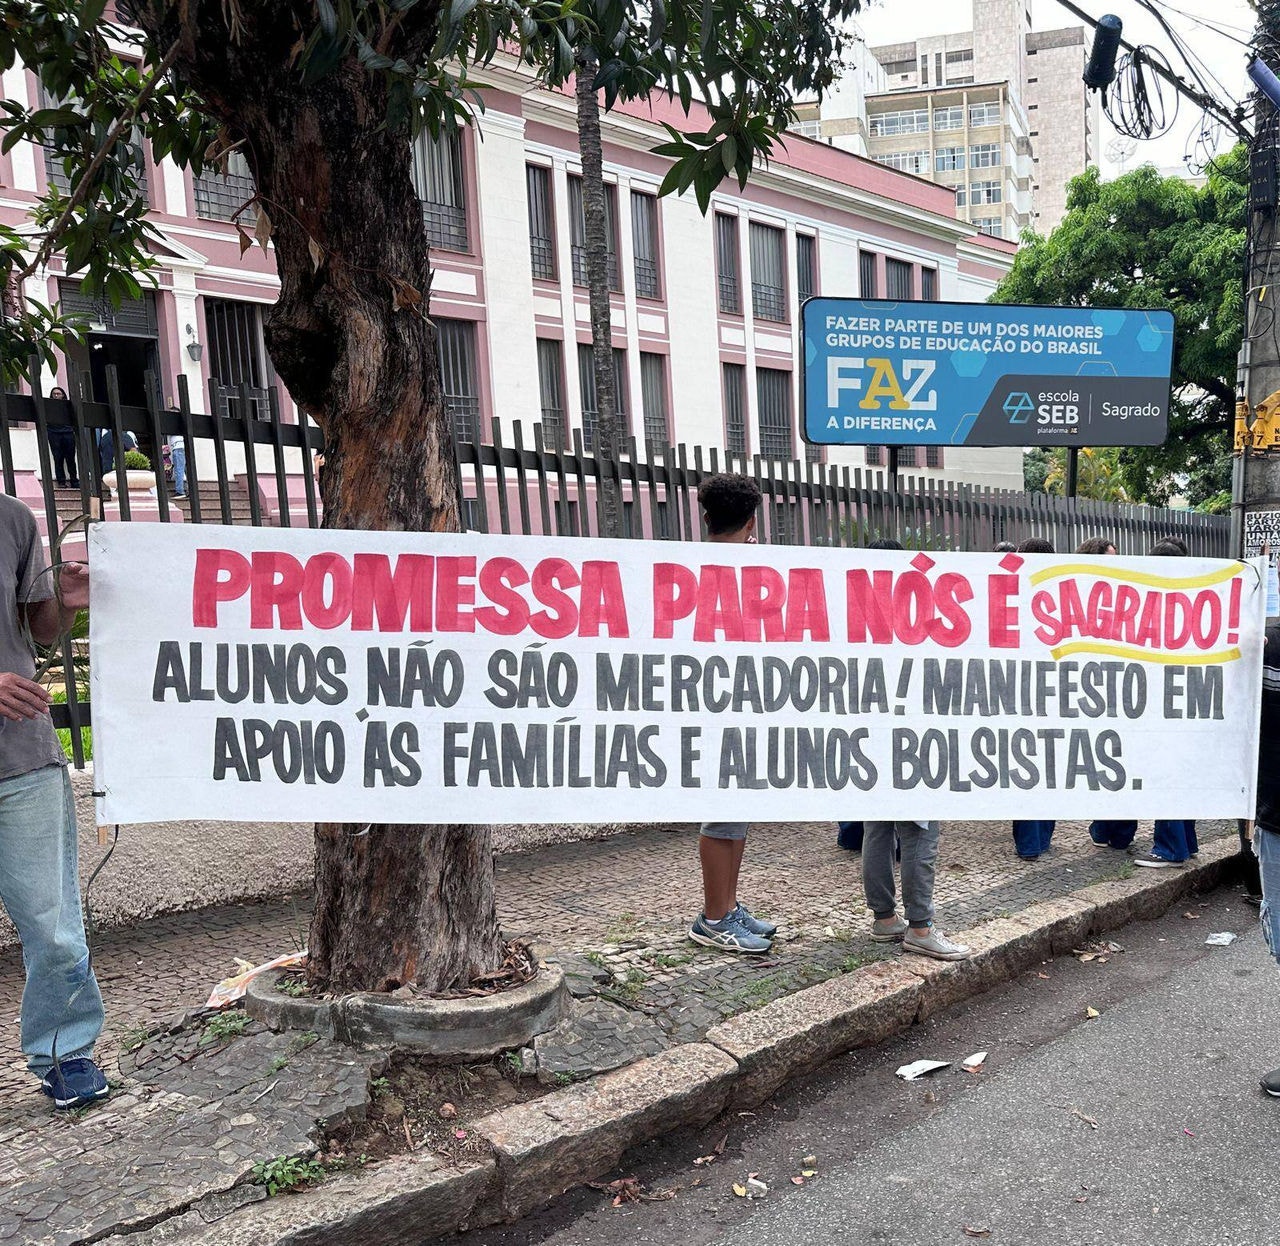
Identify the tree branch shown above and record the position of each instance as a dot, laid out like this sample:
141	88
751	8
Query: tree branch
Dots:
54	232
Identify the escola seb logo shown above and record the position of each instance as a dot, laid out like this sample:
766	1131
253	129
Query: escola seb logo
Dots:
1019	408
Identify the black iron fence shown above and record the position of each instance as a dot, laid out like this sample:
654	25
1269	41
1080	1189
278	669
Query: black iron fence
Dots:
530	483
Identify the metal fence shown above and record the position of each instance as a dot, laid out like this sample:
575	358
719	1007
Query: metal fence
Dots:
531	484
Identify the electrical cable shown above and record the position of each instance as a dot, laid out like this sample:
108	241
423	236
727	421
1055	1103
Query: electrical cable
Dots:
1134	102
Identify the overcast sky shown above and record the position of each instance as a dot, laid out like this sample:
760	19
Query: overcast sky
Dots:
888	21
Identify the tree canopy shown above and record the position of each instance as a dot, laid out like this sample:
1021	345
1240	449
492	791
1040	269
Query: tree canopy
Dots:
1141	241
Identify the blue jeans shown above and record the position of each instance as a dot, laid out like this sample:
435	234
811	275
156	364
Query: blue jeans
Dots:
1175	841
1266	847
1030	839
1112	834
850	836
40	890
178	457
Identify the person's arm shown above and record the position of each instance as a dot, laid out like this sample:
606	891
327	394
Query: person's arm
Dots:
48	619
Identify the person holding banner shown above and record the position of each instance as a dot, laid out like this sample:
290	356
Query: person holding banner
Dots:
62	1012
729	504
916	932
1031	837
1175	840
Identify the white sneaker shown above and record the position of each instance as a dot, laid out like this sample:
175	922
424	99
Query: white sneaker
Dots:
888	930
935	944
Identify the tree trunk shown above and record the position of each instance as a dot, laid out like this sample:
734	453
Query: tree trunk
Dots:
350	338
596	221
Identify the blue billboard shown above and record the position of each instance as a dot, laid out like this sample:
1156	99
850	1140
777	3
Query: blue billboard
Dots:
878	372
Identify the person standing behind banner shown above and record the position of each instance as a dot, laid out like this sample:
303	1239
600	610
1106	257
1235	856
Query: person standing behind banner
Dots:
62	447
1096	545
1266	827
1031	837
729	505
849	835
1175	839
917	933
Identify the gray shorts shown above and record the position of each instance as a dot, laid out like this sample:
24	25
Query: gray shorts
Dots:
725	830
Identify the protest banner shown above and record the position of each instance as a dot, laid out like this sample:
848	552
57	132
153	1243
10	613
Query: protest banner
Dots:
880	372
262	674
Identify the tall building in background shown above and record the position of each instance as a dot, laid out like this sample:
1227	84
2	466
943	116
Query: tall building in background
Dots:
998	113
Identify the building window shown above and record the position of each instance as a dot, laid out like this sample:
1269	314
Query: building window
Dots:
906	161
735	407
949	118
591	404
727	263
908	456
895	69
644	238
814	455
773	395
962	196
438	179
867	283
578	233
984	114
910	121
933	456
768	273
991	225
551	392
653	395
948	159
897	280
929	284
221	196
873	456
984	192
542	222
984	156
811	128
806	267
237	355
457	345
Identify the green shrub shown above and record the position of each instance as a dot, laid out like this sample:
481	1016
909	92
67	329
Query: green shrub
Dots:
136	461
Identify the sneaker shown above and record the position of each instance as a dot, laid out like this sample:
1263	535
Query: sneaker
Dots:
729	934
1028	856
757	925
1153	862
934	944
74	1083
1271	1083
888	929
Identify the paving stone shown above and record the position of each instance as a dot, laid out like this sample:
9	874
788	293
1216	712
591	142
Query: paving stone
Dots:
597	1036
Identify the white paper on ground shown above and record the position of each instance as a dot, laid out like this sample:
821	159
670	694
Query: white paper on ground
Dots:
1224	938
920	1068
975	1061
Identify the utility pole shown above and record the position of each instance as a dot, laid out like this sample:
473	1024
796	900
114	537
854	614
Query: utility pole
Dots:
1256	466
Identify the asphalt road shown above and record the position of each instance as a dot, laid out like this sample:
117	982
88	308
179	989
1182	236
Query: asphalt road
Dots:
1141	1127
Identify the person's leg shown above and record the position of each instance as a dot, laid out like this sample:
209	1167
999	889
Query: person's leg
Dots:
1266	847
1170	840
720	849
180	470
919	866
877	869
850	836
1109	834
58	452
71	461
1046	835
1027	839
62	1010
1193	844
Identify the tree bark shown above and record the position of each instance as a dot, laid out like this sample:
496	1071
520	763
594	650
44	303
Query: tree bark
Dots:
350	338
596	223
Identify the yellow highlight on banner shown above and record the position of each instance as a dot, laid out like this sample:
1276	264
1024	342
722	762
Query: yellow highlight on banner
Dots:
1142	655
1146	578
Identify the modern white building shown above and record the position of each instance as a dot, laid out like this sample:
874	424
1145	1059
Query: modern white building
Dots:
705	308
998	113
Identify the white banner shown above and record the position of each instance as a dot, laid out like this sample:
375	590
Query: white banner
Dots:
266	674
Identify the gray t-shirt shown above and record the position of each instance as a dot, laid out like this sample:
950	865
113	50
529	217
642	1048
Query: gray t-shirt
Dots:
30	744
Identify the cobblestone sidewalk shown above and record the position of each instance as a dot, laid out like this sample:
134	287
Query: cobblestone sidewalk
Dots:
621	906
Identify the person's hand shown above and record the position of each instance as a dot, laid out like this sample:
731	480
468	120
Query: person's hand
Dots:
21	698
73	586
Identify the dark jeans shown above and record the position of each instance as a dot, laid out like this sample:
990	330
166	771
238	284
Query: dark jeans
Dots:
1030	839
62	446
1175	840
850	836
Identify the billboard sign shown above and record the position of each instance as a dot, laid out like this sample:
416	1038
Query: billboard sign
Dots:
879	372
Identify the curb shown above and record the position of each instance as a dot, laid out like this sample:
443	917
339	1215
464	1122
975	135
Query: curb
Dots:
545	1147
